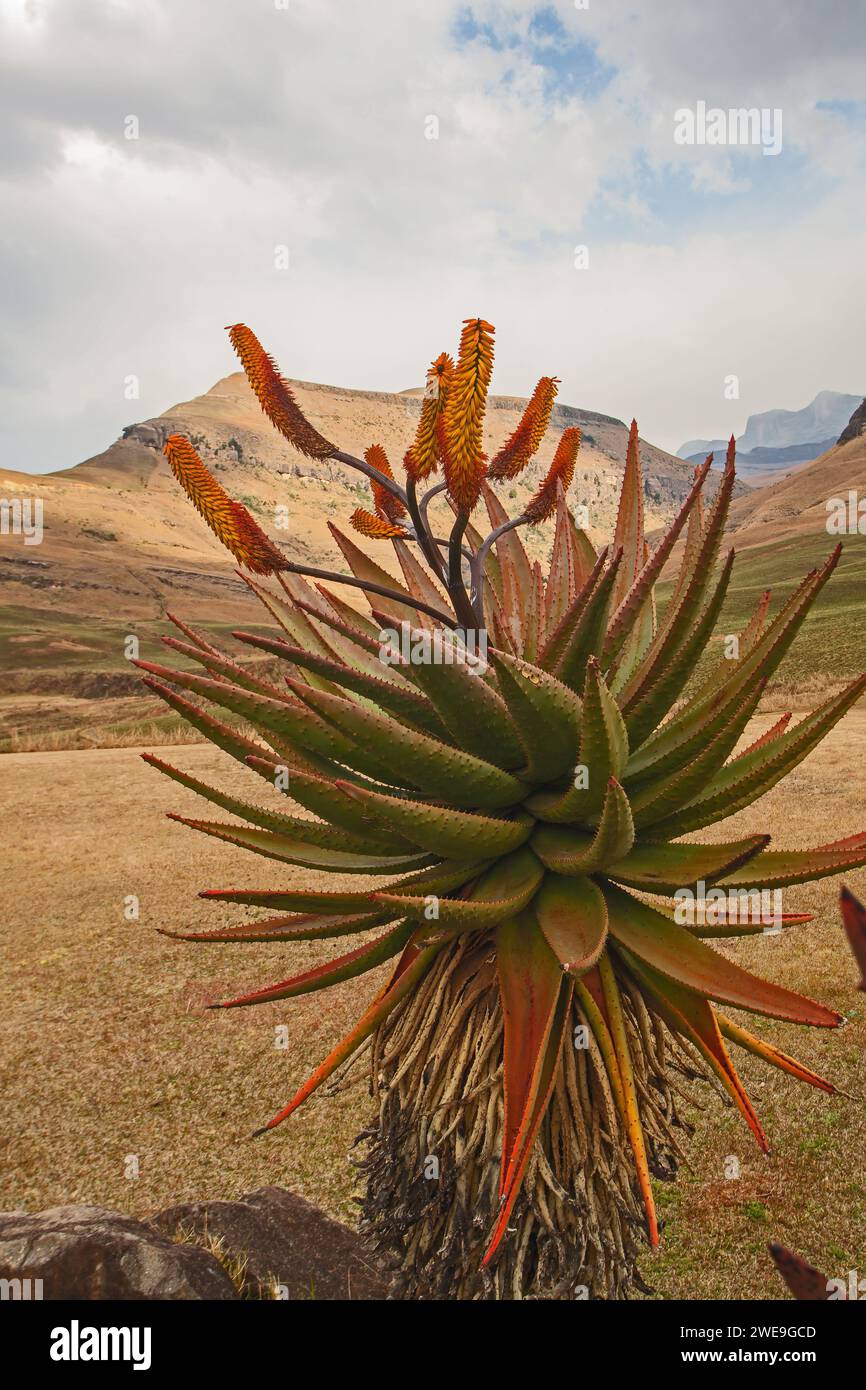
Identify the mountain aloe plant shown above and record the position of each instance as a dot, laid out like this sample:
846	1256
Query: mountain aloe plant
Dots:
505	758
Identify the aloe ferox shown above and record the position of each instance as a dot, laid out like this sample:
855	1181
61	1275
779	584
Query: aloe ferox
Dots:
515	777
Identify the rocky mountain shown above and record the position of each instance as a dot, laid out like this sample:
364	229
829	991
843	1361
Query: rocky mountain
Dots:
777	441
120	536
800	503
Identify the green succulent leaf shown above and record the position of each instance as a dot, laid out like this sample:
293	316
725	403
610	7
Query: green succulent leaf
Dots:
685	959
318	792
632	603
658	804
546	714
476	717
332	972
296	927
439	878
779	868
604	741
436	768
326	836
646	702
498	894
230	740
287	721
664	868
221	667
304	852
400	701
584	634
560	638
442	830
571	852
572	915
746	778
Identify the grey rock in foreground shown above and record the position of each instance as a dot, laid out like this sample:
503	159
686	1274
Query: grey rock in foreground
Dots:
84	1252
285	1241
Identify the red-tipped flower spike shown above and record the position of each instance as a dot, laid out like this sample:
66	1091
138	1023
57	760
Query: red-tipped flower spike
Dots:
422	458
542	506
378	528
462	421
230	521
275	395
388	507
523	443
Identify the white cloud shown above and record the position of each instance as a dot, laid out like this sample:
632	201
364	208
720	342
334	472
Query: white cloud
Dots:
260	127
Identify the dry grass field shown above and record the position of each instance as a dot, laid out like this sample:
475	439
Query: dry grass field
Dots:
107	1051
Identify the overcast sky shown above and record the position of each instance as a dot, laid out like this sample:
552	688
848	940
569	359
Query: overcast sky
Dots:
305	124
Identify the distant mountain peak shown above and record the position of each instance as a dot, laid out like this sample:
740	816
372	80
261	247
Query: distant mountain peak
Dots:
779	439
821	419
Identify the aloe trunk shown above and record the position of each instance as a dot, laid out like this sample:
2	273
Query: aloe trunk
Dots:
512	755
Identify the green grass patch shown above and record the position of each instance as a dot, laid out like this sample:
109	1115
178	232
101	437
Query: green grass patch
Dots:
832	641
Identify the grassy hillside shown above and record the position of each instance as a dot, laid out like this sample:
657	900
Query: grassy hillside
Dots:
831	647
68	684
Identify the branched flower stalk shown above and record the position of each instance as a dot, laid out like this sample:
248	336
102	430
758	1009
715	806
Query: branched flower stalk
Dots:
513	778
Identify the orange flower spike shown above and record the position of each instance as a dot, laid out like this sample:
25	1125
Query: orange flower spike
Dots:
463	416
275	395
377	458
523	443
561	470
378	528
388	507
230	521
422	458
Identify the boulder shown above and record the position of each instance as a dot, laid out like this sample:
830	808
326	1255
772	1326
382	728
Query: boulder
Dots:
286	1243
84	1252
